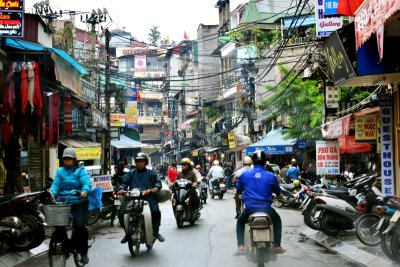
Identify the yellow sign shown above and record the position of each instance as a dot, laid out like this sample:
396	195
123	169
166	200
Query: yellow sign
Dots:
88	153
231	140
117	120
366	128
131	112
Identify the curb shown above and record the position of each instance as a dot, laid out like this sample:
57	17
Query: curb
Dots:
345	249
14	258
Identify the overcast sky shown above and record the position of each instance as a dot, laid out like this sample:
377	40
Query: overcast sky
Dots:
172	16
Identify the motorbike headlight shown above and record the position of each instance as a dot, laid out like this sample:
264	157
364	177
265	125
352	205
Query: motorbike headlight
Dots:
135	193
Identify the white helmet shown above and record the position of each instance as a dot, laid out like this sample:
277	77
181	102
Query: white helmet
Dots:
247	160
216	163
69	152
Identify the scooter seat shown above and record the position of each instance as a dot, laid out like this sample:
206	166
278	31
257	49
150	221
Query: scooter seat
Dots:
257	220
337	192
288	187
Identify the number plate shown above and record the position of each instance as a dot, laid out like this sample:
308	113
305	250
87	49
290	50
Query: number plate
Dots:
222	185
395	216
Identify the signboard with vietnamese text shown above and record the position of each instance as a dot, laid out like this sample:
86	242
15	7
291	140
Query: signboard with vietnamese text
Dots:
325	25
231	140
11	24
331	7
365	127
270	150
387	155
12	5
131	112
117	120
103	181
328	157
88	153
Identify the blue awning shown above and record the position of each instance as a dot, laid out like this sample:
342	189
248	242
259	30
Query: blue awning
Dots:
125	142
28	46
301	21
274	143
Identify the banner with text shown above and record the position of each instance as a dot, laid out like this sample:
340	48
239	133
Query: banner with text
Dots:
328	157
325	25
365	128
88	153
387	155
117	120
131	118
103	181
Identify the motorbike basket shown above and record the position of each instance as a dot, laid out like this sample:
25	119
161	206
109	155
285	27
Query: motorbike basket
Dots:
57	215
134	206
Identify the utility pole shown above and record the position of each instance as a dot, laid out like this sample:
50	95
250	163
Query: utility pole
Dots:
251	109
107	137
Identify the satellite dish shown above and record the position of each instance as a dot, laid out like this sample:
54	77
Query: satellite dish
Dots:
105	11
99	12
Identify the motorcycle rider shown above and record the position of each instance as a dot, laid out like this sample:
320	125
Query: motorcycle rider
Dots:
187	173
148	182
257	186
116	180
215	173
247	162
74	177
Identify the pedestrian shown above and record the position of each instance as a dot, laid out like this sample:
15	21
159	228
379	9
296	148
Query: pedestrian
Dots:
69	177
149	183
172	174
283	173
228	174
81	163
293	172
268	167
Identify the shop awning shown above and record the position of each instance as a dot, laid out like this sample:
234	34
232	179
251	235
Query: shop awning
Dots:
65	56
169	153
186	125
238	148
334	129
367	111
348	144
274	143
183	151
211	149
85	150
125	142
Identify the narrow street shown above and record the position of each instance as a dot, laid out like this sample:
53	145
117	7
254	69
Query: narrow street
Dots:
211	242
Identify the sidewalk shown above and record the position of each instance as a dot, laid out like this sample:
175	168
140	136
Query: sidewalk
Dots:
347	245
12	258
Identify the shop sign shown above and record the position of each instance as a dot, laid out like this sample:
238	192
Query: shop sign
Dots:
131	94
328	157
98	118
140	63
88	92
370	15
365	127
117	120
270	150
339	65
336	128
131	118
231	140
331	7
387	156
103	181
11	24
325	26
88	153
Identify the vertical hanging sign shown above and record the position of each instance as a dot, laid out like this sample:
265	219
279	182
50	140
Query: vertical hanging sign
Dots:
387	156
325	25
131	110
328	157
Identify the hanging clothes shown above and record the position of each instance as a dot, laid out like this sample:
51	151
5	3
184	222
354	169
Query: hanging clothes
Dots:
24	88
3	174
37	98
6	133
68	115
11	85
31	84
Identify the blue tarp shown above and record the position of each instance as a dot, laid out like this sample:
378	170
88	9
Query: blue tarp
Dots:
273	143
28	46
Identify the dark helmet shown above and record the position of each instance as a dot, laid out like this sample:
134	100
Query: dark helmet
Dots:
259	158
140	156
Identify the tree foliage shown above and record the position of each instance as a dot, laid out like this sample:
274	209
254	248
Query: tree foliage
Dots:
154	35
63	39
299	101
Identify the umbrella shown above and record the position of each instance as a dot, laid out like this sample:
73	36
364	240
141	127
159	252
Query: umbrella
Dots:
348	144
348	7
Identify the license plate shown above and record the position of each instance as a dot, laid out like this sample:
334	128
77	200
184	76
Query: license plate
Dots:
395	216
317	214
222	185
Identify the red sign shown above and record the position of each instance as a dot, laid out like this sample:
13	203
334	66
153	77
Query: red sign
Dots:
12	5
371	15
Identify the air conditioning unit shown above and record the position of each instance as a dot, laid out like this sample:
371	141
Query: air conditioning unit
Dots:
330	119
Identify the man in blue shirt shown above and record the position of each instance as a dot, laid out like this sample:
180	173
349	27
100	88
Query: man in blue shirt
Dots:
257	186
293	173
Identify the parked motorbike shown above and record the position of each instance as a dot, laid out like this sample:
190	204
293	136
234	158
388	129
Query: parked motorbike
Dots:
203	191
258	238
10	228
390	225
184	210
137	221
290	196
338	214
219	188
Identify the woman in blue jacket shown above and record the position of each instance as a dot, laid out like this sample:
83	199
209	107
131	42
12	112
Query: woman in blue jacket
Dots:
73	177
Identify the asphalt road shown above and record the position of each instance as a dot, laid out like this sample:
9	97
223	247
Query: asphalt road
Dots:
210	242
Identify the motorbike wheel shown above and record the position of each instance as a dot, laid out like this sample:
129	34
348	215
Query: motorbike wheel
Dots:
327	228
133	245
386	241
57	257
106	212
261	252
365	230
32	234
309	217
77	260
179	219
395	245
93	216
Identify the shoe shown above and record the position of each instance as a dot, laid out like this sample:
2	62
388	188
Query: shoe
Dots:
237	215
239	251
279	250
84	259
160	238
111	223
124	239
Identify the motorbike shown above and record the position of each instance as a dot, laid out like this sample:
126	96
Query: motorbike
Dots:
203	191
10	228
184	210
338	214
290	196
219	188
25	207
258	239
137	221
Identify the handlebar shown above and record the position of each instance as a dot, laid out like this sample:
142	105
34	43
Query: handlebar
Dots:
71	193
